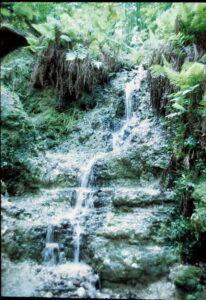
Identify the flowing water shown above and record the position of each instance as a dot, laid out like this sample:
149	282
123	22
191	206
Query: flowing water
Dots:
112	219
119	138
51	251
83	205
84	199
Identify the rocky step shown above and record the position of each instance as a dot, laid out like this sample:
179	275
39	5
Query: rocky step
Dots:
139	226
93	196
120	261
47	201
25	221
46	207
145	156
141	197
62	169
27	241
129	197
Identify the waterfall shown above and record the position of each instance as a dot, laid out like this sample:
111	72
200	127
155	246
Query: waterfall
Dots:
129	88
77	228
51	251
120	136
118	139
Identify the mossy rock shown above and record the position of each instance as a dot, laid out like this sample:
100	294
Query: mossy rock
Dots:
20	171
13	115
16	71
187	277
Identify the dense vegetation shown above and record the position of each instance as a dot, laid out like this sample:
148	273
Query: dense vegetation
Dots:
75	46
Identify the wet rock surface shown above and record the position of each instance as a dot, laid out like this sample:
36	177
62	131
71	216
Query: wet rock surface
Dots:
64	281
123	205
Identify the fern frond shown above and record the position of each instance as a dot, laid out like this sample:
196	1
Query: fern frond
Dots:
202	106
158	70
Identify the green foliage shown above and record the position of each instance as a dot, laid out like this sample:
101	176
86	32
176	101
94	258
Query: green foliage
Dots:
198	218
20	14
136	57
86	27
191	76
195	16
55	125
18	145
202	106
187	277
16	71
185	233
185	17
179	233
52	125
203	59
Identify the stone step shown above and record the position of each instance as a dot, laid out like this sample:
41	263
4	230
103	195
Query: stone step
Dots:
137	227
120	261
48	206
141	197
27	240
129	197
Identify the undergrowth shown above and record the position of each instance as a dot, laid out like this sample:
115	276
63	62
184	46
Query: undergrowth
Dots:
71	73
177	77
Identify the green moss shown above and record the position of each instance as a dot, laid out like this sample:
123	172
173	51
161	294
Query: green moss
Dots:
12	113
16	71
53	126
199	193
198	217
18	145
187	277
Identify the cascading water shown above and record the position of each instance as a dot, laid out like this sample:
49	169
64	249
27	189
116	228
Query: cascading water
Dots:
82	206
51	251
79	212
118	139
120	136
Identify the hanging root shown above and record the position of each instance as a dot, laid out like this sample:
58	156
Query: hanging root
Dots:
70	78
160	87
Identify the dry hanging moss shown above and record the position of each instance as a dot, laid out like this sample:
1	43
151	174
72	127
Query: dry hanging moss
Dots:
70	78
160	87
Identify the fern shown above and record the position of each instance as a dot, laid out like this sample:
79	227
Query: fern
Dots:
198	23
188	80
202	106
166	22
182	17
158	70
190	75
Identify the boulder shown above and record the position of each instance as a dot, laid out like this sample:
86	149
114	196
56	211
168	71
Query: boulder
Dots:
119	261
187	277
10	40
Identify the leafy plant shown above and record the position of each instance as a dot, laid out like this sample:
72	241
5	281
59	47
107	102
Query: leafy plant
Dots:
188	80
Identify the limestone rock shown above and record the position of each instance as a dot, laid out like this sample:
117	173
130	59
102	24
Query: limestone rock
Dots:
119	260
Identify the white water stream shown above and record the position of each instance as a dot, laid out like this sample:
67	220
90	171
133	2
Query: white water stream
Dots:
118	139
84	199
51	251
